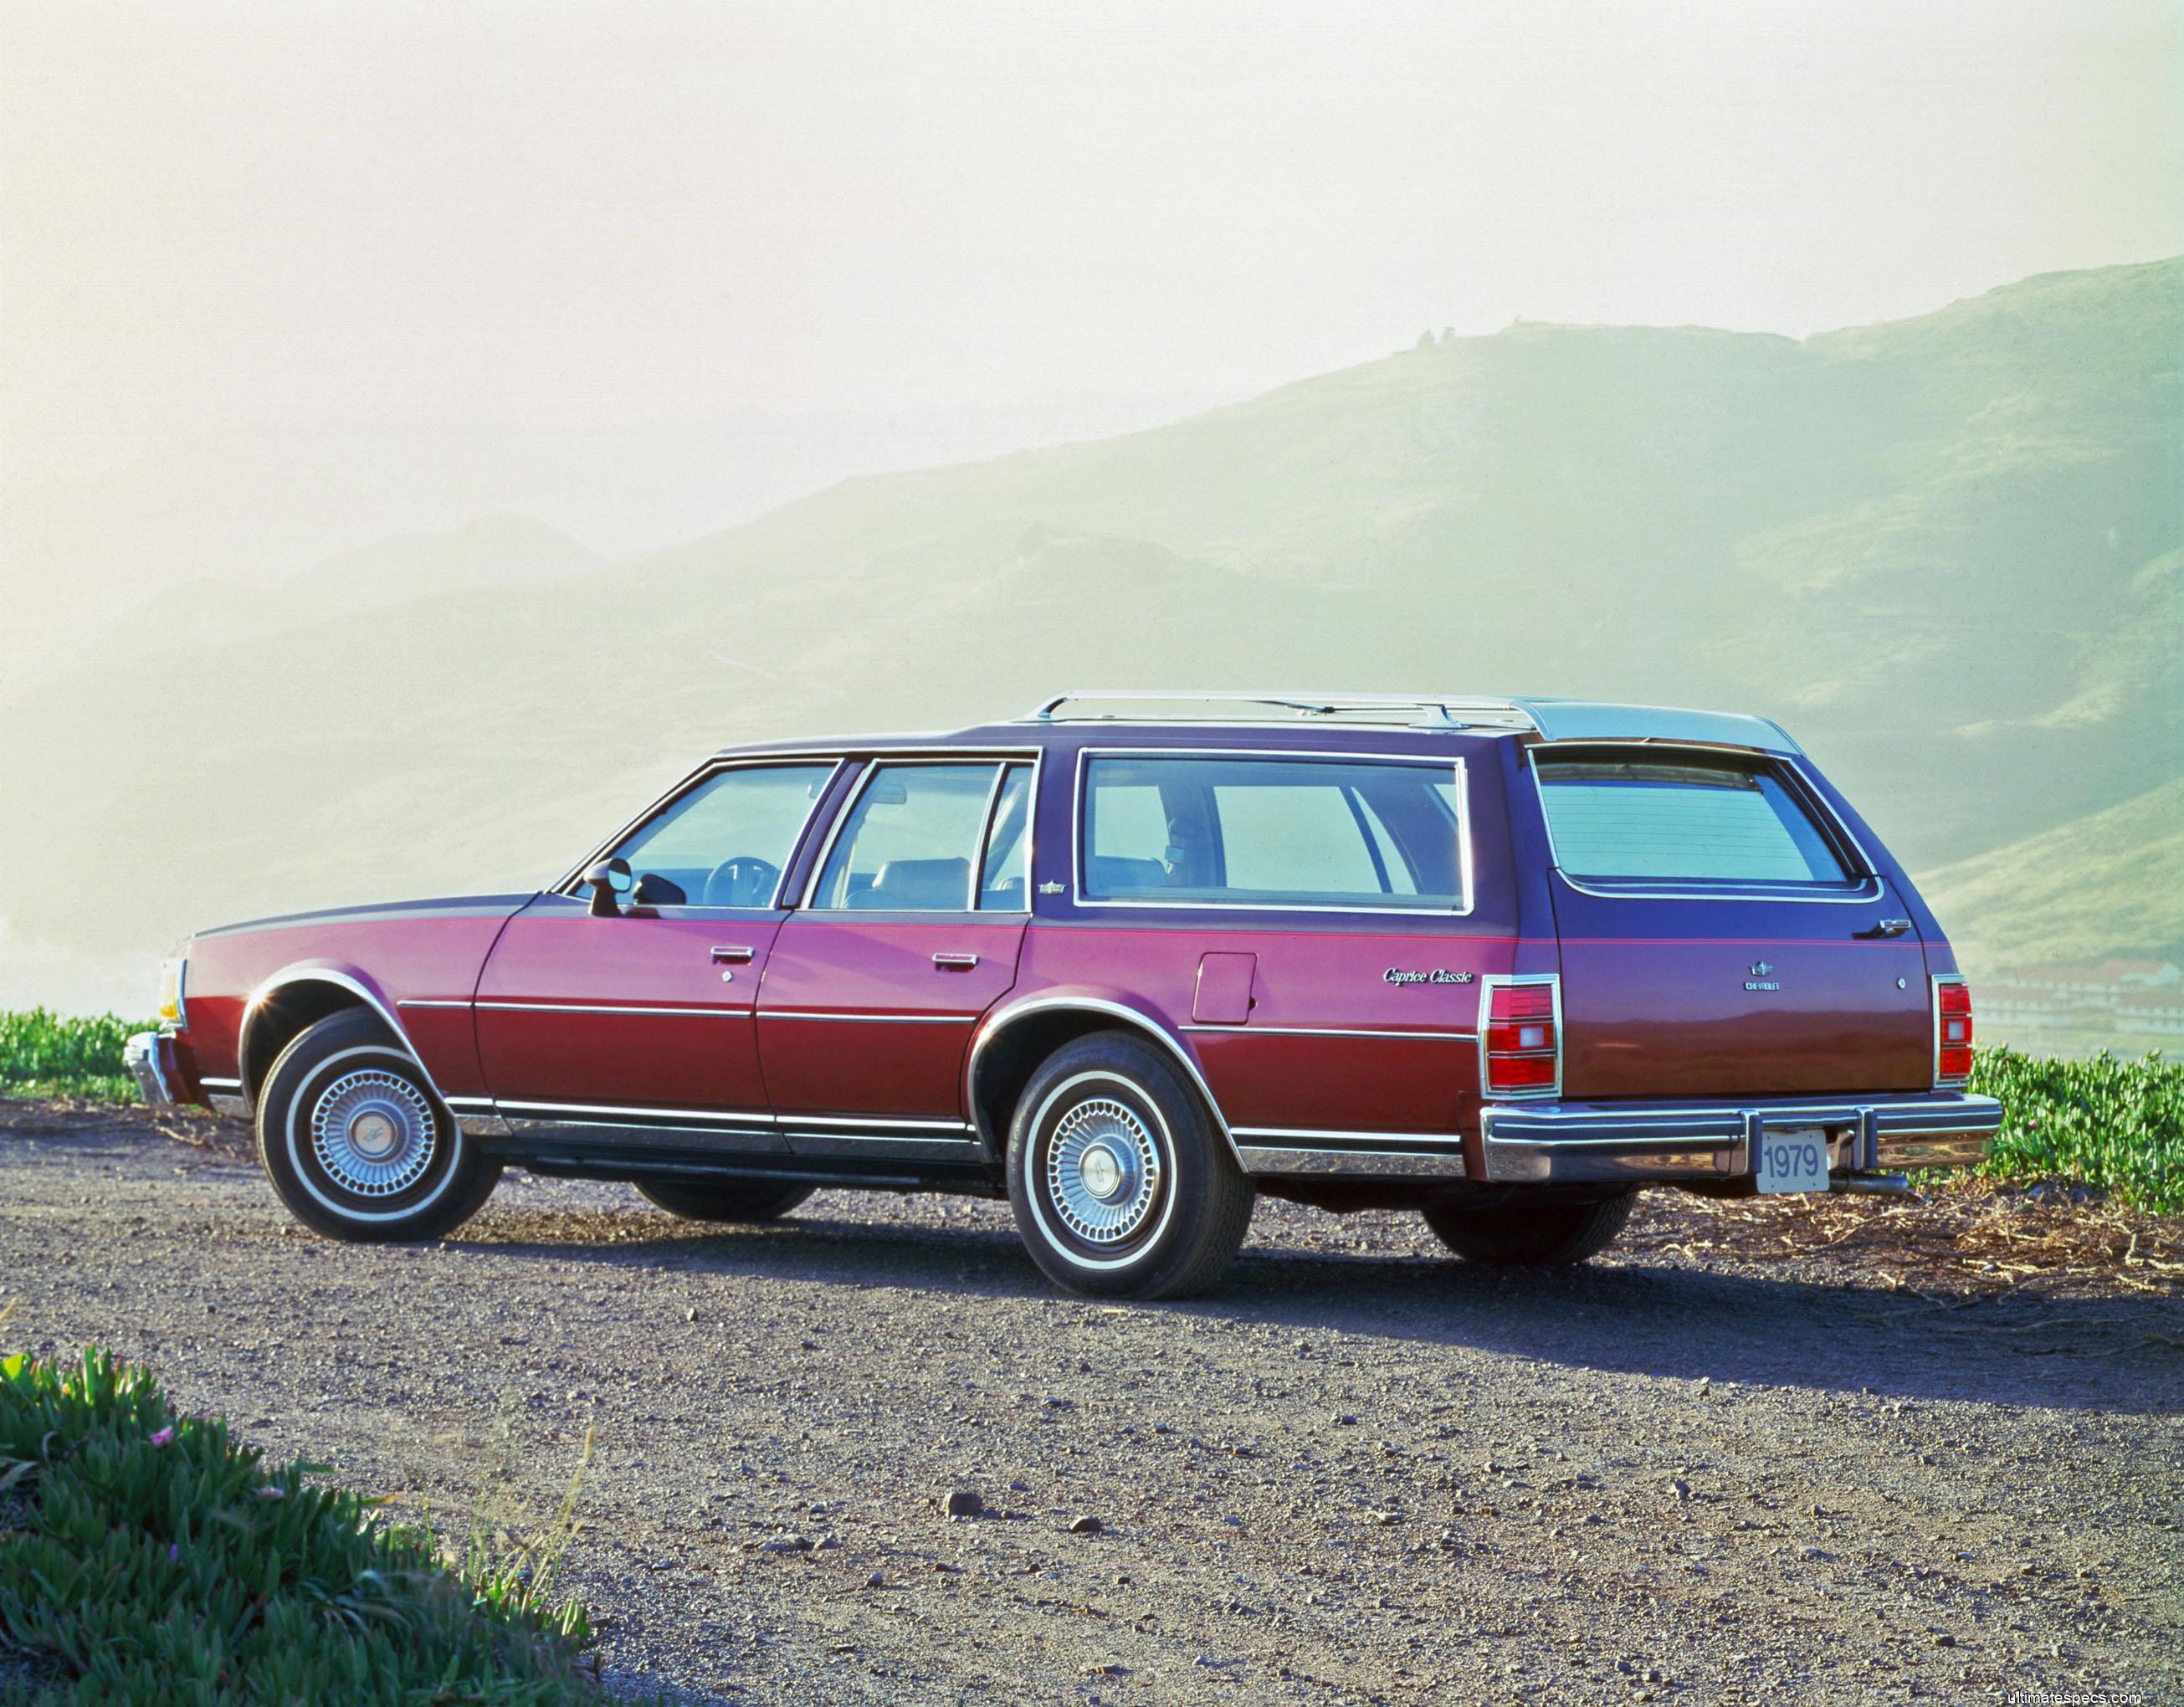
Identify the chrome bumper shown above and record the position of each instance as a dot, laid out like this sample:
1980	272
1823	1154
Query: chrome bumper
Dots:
1681	1142
141	1056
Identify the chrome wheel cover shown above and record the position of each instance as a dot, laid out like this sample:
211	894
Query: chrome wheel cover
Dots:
1103	1171
373	1133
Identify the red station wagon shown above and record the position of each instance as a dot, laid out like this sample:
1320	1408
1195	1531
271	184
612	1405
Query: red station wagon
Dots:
1129	962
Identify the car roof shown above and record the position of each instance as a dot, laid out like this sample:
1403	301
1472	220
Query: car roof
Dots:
1335	722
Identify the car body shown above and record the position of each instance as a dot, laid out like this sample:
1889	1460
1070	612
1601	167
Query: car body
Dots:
1504	961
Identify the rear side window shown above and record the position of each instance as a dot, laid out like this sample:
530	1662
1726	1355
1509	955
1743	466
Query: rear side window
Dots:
1245	831
1618	818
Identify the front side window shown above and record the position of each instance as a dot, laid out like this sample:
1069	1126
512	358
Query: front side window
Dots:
1261	832
724	843
1687	819
910	840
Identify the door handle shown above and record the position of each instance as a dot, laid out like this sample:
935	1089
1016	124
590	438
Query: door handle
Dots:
733	955
1885	927
954	962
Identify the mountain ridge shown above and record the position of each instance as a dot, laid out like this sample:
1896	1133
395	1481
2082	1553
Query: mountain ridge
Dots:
1936	553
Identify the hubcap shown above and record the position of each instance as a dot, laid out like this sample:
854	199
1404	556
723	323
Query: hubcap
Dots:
373	1133
1103	1171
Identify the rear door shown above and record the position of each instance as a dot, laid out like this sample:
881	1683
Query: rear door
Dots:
1721	934
909	933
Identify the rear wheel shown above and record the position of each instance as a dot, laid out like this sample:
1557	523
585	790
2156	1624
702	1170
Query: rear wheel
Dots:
1531	1233
1121	1184
356	1143
725	1200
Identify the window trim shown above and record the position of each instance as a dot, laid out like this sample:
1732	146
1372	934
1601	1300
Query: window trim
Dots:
874	763
1864	886
1450	763
571	880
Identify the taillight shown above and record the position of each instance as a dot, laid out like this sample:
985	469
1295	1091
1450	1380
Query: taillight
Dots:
1953	1031
1520	1039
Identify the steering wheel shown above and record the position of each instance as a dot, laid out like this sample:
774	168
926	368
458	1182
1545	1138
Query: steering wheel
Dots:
744	881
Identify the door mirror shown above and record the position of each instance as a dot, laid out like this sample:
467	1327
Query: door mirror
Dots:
611	880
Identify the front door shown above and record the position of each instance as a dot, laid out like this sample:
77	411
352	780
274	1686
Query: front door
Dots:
909	933
637	1028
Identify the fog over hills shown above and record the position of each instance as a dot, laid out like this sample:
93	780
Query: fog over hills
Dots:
1945	551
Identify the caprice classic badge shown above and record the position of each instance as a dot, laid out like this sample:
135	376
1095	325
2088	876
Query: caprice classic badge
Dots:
1131	961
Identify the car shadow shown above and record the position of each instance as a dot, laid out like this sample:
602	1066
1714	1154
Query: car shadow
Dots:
1620	1315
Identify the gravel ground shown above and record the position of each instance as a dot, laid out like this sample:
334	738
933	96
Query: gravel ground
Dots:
1840	1451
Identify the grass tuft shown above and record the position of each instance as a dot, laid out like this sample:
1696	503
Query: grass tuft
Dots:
2113	1125
147	1557
45	1054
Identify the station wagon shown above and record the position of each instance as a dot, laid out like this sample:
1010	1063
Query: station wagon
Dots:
1130	962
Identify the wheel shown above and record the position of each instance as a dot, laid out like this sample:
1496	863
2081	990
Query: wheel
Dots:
1121	1185
725	1200
1531	1233
357	1145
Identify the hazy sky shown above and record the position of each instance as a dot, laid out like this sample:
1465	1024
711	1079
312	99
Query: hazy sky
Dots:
576	214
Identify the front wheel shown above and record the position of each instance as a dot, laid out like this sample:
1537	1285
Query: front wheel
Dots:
1545	1234
1121	1184
356	1143
725	1200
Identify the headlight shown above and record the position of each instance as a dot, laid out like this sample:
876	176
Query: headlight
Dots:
173	974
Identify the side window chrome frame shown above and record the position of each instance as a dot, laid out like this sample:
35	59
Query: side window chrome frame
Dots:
874	763
1865	888
696	779
1451	764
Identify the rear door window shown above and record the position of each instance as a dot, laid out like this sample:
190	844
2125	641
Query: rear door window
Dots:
1616	818
1248	831
909	842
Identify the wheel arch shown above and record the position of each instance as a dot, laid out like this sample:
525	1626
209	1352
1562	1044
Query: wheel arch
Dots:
1015	1039
297	997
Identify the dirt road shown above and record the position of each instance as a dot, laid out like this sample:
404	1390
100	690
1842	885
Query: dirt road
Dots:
1756	1453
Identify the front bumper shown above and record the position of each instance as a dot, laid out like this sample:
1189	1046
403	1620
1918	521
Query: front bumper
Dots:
148	1056
1686	1142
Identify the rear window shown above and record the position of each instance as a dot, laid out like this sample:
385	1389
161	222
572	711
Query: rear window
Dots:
1243	831
1652	818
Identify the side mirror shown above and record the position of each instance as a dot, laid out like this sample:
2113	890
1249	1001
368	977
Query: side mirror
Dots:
611	880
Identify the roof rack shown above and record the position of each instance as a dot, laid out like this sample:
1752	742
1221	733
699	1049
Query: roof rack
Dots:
1553	720
1437	711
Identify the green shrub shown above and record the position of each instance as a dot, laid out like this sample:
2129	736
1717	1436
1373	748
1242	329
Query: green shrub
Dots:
43	1054
2115	1124
148	1557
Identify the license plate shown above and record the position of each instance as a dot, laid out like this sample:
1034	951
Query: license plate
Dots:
1792	1158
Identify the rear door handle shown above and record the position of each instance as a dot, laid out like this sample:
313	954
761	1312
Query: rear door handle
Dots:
731	956
954	962
1886	927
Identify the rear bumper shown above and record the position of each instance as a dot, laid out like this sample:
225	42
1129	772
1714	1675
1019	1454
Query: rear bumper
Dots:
1681	1142
150	1063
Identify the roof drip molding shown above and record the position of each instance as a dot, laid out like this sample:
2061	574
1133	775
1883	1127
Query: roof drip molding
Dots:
1553	720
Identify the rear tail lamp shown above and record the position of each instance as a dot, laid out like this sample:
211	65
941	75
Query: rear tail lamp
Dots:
1521	1041
1953	1031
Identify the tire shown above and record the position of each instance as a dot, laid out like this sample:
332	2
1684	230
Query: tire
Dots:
341	1089
1175	1207
1536	1233
725	1200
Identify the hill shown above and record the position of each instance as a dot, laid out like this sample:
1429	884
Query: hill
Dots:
2109	885
1944	551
